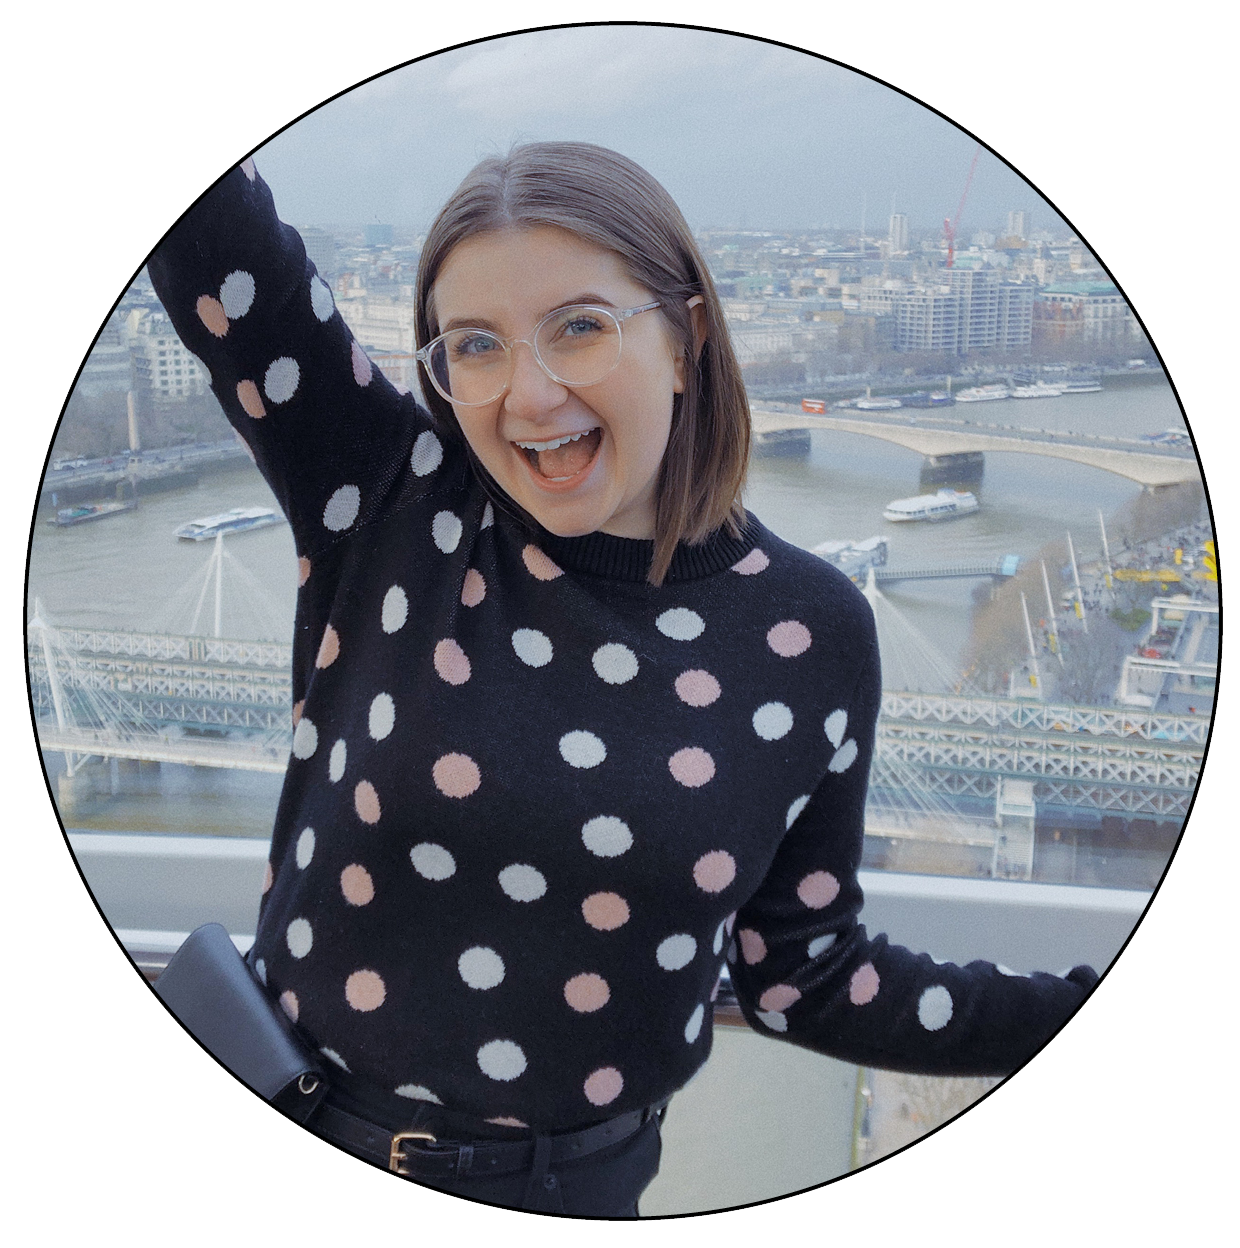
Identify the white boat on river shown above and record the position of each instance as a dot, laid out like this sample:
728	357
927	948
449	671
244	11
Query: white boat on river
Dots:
235	520
945	505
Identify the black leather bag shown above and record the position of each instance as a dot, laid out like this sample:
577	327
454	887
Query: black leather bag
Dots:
209	987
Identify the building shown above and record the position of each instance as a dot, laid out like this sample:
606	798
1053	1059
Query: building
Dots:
321	248
108	367
163	367
1081	311
897	233
974	310
380	324
377	235
1018	223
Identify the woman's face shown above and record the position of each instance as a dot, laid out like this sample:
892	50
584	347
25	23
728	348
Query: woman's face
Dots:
506	282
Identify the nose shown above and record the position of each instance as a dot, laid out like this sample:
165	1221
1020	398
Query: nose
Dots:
531	392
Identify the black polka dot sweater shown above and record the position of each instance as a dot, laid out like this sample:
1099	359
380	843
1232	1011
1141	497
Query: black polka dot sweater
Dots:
534	802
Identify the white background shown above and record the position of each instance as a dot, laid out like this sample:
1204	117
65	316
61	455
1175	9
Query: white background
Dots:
119	1129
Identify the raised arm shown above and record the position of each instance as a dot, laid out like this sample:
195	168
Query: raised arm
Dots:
332	436
806	970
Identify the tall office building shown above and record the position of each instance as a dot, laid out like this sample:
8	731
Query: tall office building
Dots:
897	232
1018	223
321	248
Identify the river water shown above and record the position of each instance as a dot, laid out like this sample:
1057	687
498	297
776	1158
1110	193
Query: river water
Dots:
129	572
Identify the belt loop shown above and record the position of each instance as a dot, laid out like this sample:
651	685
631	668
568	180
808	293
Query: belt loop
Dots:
464	1160
539	1187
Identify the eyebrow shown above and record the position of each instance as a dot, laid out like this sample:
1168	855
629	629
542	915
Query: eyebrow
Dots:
482	322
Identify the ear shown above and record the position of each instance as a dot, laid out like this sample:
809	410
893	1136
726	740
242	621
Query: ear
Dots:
697	316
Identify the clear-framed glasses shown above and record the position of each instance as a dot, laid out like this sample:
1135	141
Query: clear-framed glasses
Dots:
576	346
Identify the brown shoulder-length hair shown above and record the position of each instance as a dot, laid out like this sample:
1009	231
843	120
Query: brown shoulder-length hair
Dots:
610	201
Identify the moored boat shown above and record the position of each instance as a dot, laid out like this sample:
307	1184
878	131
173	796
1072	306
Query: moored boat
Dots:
87	511
982	394
1038	390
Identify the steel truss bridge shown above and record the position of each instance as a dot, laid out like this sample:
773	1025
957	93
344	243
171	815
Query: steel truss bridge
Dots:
220	703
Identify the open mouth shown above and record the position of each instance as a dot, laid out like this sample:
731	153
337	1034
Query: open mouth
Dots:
561	459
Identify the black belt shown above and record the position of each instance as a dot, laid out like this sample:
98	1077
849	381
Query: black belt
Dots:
419	1155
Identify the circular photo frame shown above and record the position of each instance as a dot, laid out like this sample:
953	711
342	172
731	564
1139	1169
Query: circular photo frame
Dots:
184	1138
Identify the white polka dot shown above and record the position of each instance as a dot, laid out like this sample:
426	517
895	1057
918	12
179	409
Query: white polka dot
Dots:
693	1028
501	1059
395	609
615	663
488	517
321	302
333	1056
680	624
606	836
305	738
582	749
446	529
717	943
820	944
305	847
342	508
335	763
237	294
533	648
794	811
416	1092
773	1019
1007	970
299	938
432	862
522	882
247	167
835	727
676	951
845	756
427	454
260	969
481	967
280	382
934	1010
772	721
382	716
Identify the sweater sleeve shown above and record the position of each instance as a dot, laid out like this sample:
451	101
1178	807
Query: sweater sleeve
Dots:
329	432
806	971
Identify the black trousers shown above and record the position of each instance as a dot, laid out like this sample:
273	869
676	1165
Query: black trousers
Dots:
606	1184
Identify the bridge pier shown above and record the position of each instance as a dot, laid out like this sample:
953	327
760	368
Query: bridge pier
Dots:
1015	818
90	782
962	468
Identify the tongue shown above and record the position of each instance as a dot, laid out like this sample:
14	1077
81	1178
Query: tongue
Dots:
569	459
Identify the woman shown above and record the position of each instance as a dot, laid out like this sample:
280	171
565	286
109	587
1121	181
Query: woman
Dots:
571	726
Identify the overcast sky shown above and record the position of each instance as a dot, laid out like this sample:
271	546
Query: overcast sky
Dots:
741	132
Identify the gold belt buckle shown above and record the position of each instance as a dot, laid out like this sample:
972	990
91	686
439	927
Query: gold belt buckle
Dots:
396	1157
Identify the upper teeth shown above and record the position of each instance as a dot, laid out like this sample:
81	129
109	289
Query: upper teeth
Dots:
550	446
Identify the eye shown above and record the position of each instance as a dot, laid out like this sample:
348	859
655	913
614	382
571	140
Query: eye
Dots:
473	344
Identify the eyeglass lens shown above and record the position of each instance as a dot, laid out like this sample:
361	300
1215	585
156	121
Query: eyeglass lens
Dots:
577	346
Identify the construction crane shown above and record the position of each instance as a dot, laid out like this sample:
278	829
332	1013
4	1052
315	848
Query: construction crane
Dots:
949	226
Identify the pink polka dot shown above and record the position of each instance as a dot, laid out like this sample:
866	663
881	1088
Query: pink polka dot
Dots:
250	399
451	662
605	911
789	638
303	571
247	167
365	991
290	1005
602	1087
863	987
507	1122
587	993
356	885
697	688
818	889
362	371
456	775
755	561
329	648
298	707
211	313
779	997
539	565
474	589
692	766
268	877
753	947
366	802
713	872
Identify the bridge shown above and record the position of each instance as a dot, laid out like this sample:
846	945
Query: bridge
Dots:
217	703
941	436
1002	568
